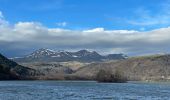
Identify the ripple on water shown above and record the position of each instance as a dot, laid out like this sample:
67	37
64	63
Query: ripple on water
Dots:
52	90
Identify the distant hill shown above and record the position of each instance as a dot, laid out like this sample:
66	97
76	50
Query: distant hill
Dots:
154	68
145	68
47	55
50	71
11	70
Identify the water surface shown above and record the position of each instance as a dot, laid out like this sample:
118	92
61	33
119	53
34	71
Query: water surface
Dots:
79	90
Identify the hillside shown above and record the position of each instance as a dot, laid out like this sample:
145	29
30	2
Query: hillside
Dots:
154	68
11	70
144	68
50	71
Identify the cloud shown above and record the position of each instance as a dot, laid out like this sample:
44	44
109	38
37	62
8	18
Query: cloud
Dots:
149	17
3	22
62	24
33	35
1	15
145	18
100	29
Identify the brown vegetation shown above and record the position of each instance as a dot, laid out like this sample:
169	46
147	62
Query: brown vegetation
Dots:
146	68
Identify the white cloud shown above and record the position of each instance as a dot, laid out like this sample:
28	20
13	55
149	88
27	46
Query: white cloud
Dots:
3	22
1	15
63	24
32	34
95	30
99	30
146	17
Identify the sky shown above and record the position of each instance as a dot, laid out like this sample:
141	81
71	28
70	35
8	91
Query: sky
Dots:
132	27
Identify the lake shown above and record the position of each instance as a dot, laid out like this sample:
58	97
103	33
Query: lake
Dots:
82	90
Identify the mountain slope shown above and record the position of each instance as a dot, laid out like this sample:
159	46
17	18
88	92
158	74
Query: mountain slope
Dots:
155	67
47	55
11	70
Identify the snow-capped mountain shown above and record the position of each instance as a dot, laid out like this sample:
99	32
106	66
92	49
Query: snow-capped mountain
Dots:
47	55
41	53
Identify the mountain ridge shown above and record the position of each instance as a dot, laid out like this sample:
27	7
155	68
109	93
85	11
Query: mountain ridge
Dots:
48	55
143	68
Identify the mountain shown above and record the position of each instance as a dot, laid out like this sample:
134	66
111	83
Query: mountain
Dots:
11	70
145	68
116	56
47	55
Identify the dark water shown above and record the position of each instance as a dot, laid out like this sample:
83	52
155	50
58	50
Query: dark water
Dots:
77	90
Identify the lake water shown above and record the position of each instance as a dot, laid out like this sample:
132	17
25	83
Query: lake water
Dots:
79	90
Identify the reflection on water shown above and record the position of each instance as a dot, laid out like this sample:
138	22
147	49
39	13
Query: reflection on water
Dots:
78	90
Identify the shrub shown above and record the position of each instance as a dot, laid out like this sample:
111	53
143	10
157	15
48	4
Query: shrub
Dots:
109	76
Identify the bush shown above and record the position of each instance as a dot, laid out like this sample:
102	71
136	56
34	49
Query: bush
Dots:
108	76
